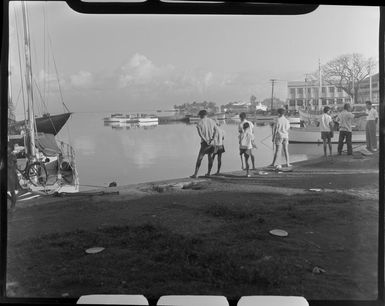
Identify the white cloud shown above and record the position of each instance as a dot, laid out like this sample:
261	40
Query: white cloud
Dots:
83	79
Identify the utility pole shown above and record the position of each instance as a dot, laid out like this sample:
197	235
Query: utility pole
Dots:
272	92
370	82
319	85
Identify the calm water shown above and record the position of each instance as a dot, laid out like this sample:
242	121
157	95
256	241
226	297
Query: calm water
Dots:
128	155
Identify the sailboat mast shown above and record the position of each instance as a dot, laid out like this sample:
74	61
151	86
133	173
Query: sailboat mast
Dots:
28	78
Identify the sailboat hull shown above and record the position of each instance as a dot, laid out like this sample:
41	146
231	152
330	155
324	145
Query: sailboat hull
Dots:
49	124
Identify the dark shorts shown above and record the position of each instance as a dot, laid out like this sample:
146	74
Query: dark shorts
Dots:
246	152
219	149
206	149
326	135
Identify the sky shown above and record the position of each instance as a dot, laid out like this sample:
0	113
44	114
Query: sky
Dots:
109	63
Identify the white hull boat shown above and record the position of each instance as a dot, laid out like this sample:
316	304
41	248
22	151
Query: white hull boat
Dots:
148	119
313	135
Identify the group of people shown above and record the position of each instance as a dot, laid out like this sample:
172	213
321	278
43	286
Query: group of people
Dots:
345	122
212	138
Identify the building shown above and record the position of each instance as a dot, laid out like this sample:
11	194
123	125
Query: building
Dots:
364	89
236	107
305	95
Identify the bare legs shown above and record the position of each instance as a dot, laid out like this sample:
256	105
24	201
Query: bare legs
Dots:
278	149
252	161
327	143
247	164
220	162
199	161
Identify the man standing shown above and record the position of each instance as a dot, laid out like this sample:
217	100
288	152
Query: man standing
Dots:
281	138
371	123
242	116
206	130
345	120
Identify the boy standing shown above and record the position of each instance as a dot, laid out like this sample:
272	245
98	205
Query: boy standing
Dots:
206	128
281	138
246	138
326	127
242	116
218	146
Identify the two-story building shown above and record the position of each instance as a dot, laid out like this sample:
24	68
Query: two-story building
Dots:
369	92
305	95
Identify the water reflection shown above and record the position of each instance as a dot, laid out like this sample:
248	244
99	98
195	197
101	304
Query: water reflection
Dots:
131	153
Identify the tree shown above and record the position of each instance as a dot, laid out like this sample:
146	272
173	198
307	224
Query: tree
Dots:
277	103
347	72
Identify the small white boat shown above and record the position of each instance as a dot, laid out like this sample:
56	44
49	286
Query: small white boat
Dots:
121	118
294	120
148	119
313	135
142	118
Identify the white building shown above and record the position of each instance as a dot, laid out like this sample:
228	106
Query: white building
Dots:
305	95
369	90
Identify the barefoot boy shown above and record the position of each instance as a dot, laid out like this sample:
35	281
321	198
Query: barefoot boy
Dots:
281	138
206	128
326	127
242	116
246	139
218	146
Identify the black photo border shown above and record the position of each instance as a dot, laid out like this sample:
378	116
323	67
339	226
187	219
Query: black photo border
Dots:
224	7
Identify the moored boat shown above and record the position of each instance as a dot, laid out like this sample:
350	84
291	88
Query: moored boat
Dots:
45	164
313	135
128	118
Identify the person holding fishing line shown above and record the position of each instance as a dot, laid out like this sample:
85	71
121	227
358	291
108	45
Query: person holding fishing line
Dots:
281	138
246	140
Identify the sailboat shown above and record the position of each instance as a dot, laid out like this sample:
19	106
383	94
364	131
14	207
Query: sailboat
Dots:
45	164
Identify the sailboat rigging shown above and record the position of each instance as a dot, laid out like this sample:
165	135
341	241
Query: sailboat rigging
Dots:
45	164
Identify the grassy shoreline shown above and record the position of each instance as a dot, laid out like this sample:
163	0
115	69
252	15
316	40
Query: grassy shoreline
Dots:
207	236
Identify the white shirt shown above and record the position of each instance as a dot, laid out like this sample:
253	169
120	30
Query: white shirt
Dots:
206	129
325	122
246	139
372	114
219	136
282	127
345	119
240	126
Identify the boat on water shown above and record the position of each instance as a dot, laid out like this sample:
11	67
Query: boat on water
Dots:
195	119
171	115
45	164
49	124
294	121
131	125
129	118
313	135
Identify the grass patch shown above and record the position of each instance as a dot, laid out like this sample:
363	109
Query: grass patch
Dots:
145	256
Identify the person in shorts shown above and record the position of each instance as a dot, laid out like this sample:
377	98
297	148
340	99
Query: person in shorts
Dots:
206	128
326	128
281	138
242	117
246	138
219	148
